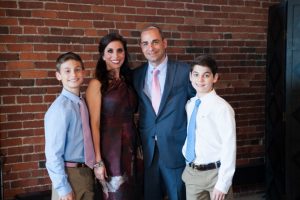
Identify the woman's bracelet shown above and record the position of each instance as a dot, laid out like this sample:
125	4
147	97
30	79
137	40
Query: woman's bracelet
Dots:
99	164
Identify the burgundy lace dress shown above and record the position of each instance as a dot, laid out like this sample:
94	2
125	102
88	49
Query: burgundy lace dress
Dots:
118	143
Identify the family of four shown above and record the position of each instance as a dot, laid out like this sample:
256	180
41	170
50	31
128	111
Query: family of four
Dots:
187	131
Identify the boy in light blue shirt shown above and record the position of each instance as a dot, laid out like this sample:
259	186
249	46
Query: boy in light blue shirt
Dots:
64	149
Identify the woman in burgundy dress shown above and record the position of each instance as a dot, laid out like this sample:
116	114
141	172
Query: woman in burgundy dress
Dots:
112	103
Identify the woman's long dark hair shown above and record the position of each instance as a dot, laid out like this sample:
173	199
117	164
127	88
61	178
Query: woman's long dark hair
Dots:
102	74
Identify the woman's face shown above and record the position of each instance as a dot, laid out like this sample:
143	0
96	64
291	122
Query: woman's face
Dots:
114	55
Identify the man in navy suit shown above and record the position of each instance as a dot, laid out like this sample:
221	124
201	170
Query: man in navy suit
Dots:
162	129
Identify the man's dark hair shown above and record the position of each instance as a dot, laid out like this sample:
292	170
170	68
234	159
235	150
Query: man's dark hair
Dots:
154	27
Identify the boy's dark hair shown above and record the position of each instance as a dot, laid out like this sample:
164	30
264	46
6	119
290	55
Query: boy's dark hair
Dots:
206	61
67	56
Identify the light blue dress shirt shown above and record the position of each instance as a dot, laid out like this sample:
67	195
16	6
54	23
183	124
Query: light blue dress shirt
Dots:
64	139
161	77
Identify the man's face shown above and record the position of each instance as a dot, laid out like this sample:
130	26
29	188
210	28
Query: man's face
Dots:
153	46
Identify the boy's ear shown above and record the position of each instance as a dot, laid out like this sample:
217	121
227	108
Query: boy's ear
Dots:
58	76
216	78
190	76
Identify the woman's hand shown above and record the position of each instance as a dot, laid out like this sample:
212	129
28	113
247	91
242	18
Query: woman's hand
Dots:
100	173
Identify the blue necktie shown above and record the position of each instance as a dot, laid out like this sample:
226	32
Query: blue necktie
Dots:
190	145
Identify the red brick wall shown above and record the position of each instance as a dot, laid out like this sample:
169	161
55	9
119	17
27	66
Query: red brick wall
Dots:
33	33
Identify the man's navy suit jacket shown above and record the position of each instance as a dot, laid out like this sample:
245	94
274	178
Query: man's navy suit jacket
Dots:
170	124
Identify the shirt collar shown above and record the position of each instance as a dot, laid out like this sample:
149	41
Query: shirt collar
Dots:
205	97
70	95
161	67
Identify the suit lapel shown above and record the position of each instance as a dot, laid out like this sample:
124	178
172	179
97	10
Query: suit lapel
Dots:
142	79
171	70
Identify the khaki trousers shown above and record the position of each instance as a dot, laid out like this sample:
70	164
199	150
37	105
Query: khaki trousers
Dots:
200	184
81	181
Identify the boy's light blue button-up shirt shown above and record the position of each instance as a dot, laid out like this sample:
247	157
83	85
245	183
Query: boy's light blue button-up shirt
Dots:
64	139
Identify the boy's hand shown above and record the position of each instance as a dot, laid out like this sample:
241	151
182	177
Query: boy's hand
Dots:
69	196
100	173
218	195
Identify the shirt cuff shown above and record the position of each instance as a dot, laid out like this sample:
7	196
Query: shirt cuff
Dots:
222	187
63	191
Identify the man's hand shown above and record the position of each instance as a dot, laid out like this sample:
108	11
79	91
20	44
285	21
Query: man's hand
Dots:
69	196
218	195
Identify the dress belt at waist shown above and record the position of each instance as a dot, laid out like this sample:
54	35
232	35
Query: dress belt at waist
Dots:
205	167
75	164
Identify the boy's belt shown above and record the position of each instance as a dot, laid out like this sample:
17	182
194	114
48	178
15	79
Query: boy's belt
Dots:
75	164
206	167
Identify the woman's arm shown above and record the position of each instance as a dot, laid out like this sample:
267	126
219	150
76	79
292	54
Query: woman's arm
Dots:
93	98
